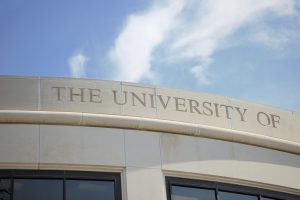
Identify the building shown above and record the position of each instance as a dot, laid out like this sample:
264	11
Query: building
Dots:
64	138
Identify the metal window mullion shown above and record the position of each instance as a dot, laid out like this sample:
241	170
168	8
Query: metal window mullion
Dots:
171	192
64	187
11	188
217	192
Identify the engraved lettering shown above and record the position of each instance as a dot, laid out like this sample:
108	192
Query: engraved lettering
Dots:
194	106
152	100
59	92
207	108
115	98
227	110
81	94
179	104
216	109
95	96
164	104
262	115
142	101
242	114
275	119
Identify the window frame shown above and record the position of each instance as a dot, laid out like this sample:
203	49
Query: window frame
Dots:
63	175
226	187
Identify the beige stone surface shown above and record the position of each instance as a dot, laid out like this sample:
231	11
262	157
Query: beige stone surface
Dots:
267	166
197	155
142	149
19	143
144	156
140	100
257	114
109	121
89	96
97	97
186	113
145	183
294	126
188	154
81	145
40	117
19	93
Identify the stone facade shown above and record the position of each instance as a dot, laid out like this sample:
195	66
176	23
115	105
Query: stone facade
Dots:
146	133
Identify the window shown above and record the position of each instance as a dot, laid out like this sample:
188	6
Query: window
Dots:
36	189
187	189
59	185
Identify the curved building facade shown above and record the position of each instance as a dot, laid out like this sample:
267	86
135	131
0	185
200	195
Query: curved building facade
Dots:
111	140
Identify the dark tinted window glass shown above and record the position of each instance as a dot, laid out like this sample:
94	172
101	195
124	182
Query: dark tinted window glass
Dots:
188	193
89	190
37	189
265	198
236	196
5	189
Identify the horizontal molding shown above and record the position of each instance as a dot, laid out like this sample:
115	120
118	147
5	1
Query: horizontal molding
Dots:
60	166
148	124
19	165
80	167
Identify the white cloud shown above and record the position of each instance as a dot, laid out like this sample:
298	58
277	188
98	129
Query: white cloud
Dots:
132	52
77	65
217	19
201	72
273	39
187	29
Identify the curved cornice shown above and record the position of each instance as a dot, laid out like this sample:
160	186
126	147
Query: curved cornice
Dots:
139	123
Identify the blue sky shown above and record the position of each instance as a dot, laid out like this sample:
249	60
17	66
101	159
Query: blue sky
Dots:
246	49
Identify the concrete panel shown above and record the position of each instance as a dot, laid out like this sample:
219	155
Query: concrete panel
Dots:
145	184
267	166
19	143
19	93
78	95
142	149
188	154
197	155
82	145
294	127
